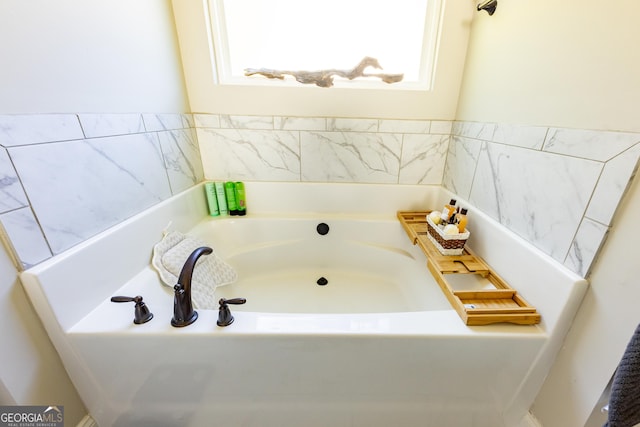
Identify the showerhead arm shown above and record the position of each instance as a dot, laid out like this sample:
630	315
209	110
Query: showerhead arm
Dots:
488	5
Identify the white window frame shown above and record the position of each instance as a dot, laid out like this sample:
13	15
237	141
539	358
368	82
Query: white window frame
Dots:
207	96
430	44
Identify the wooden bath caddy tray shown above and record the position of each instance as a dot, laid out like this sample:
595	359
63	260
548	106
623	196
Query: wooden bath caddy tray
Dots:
476	306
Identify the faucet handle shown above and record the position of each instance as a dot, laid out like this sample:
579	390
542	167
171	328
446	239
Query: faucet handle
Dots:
142	313
236	301
126	299
225	318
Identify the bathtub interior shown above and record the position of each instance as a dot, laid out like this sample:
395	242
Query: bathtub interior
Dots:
495	370
367	266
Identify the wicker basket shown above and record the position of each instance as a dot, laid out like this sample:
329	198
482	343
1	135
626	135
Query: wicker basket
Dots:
447	244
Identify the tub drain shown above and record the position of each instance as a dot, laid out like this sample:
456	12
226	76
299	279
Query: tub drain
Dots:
322	281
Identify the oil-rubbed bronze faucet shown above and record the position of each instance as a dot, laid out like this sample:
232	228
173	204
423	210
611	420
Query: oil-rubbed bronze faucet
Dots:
183	312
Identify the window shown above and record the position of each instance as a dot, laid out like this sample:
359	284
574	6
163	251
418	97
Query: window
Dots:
298	35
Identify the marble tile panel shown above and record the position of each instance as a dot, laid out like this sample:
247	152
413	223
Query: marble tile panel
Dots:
26	236
441	127
456	128
11	193
404	126
615	178
80	188
350	157
540	196
23	129
166	121
352	125
520	136
181	158
188	120
589	144
475	130
246	122
206	120
585	246
250	154
98	125
300	123
423	159
460	166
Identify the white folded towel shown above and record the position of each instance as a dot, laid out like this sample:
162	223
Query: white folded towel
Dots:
169	256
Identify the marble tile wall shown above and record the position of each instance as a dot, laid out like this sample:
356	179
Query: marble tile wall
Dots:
266	148
67	177
557	188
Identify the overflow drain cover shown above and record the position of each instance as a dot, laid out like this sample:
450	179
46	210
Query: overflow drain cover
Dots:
322	228
322	281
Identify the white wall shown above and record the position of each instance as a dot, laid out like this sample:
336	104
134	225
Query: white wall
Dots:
89	56
554	63
569	64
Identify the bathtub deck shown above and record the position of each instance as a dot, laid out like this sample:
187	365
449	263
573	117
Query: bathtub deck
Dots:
109	318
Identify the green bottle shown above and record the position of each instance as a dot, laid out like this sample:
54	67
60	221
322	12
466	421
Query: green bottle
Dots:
222	200
241	200
230	192
212	200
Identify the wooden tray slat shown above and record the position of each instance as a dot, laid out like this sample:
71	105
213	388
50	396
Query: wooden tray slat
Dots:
475	307
484	294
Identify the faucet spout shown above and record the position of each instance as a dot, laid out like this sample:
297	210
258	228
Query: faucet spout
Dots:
183	312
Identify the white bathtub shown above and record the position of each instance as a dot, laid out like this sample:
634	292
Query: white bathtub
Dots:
378	345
